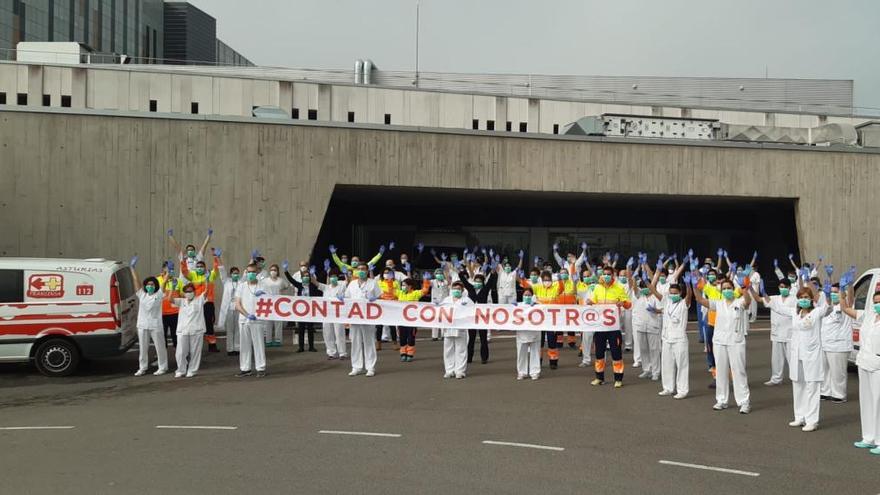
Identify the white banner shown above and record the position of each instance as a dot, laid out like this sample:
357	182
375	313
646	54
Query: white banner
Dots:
548	317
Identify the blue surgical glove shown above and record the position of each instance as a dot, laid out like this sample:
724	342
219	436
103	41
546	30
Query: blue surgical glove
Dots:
259	293
251	317
210	231
391	246
134	261
285	265
170	232
332	249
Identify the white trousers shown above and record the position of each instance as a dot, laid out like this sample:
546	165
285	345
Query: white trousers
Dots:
731	359
626	326
273	331
528	358
806	398
675	365
637	349
778	358
586	345
253	345
502	299
869	405
834	384
334	339
158	338
386	333
363	347
189	353
233	331
649	347
455	353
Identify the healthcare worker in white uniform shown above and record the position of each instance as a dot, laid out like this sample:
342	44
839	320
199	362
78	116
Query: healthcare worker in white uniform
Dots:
190	331
780	330
646	322
868	362
253	343
363	337
439	291
837	343
674	342
149	323
227	319
455	340
528	345
729	345
274	285
334	333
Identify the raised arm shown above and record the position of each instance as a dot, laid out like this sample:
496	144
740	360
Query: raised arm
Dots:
176	245
653	286
846	304
207	240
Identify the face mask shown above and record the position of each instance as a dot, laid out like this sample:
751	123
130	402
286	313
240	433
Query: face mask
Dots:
712	279
405	289
252	276
662	280
527	299
728	294
403	261
548	283
507	269
191	253
804	303
622	280
305	280
784	292
355	262
150	289
675	297
439	277
563	276
200	271
835	297
591	280
273	273
877	308
190	296
747	270
390	266
362	274
388	276
478	285
454	259
792	279
606	279
456	293
643	292
534	279
344	261
334	280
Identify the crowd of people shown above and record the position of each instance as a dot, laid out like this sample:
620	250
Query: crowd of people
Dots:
811	319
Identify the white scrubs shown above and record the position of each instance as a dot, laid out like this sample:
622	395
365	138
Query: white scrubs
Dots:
868	361
363	337
227	318
455	342
253	343
646	326
274	330
674	353
729	345
190	334
334	333
780	336
149	326
837	343
439	292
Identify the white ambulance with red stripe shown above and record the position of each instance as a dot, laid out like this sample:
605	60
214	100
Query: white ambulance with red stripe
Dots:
58	311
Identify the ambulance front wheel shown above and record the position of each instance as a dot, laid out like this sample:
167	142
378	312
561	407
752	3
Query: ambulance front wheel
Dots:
57	357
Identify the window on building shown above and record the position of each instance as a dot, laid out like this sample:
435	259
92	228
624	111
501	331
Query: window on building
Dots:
509	126
555	128
475	124
154	105
47	100
65	101
22	99
313	114
351	116
523	127
2	98
387	119
194	108
294	113
490	125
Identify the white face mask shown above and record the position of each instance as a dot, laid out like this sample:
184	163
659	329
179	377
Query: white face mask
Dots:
548	283
190	296
273	273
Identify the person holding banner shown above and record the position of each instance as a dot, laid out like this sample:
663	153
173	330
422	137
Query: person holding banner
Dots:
275	285
455	341
528	345
307	278
478	292
363	337
253	344
609	292
439	292
547	292
334	333
410	292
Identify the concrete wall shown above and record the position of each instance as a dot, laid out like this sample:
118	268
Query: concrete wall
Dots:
99	185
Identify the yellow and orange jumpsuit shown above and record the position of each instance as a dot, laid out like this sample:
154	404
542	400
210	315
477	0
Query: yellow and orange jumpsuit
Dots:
204	284
407	335
613	293
389	289
547	295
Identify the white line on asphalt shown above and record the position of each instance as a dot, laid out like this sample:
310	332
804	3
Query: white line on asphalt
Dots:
526	445
359	433
12	428
177	427
709	468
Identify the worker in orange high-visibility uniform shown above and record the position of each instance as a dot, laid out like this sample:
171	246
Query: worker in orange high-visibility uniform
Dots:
204	283
389	287
547	292
409	291
566	277
609	292
170	312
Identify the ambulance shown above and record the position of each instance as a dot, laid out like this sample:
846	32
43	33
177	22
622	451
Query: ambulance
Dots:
57	312
866	285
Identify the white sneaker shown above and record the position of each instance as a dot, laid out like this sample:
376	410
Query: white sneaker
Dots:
535	377
680	396
355	372
190	375
448	375
520	377
719	406
664	393
371	373
745	409
810	427
796	423
637	365
140	372
771	383
160	372
583	364
655	378
644	374
460	376
178	374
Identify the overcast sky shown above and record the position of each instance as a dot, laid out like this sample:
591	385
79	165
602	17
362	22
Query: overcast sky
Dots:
791	38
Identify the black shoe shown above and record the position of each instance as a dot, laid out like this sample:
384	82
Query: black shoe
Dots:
312	349
236	353
553	365
837	401
213	348
242	374
230	353
712	385
824	397
469	361
580	353
261	374
572	345
300	350
484	361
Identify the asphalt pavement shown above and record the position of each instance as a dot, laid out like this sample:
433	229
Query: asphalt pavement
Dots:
310	428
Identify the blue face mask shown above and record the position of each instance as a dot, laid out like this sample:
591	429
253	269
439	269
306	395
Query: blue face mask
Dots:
675	297
804	303
877	308
528	300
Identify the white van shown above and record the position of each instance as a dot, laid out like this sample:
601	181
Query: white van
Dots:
866	285
57	311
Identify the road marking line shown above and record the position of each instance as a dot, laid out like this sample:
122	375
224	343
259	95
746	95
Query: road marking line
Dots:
176	427
360	433
526	445
13	428
709	468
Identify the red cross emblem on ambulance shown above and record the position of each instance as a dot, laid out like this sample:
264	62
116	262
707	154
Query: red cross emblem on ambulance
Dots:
45	286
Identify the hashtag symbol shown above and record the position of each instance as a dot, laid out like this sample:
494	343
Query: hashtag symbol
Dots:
264	308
